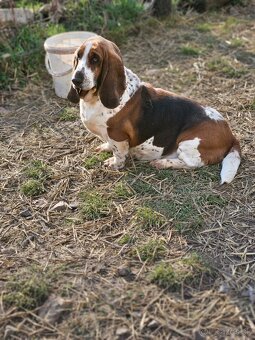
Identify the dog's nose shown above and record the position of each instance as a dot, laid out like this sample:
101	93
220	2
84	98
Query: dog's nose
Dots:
78	79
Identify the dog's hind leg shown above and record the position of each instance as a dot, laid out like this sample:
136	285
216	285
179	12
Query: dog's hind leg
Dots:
165	163
187	156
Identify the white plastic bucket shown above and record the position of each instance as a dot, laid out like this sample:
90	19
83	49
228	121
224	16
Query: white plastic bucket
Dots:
59	58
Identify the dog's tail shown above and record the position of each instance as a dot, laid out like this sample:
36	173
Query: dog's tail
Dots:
230	163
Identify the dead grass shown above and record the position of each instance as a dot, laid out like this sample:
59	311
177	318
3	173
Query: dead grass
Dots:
94	253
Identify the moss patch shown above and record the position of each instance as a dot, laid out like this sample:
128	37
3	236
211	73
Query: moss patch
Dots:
152	250
37	169
28	293
149	218
69	114
189	50
186	271
204	27
94	205
122	191
32	187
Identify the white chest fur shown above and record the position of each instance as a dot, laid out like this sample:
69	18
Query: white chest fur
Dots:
95	115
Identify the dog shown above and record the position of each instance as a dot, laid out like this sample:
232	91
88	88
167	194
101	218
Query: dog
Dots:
132	117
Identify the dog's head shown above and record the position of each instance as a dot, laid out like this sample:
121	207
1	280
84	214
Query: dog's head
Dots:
98	69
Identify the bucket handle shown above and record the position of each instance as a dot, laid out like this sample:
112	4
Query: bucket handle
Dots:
51	72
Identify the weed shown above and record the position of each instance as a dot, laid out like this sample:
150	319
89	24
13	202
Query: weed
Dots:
164	275
211	200
204	27
236	42
33	4
224	66
28	292
32	187
252	105
182	210
190	50
195	261
209	173
55	29
141	187
69	114
66	289
147	218
25	54
121	190
97	159
126	239
94	205
152	250
229	24
186	271
37	169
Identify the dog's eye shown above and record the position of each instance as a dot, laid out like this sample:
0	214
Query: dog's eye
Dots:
94	59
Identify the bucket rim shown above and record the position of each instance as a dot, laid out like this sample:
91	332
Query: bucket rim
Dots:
51	48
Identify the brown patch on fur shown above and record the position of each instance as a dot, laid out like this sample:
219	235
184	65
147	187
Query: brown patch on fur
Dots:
79	53
123	125
111	79
216	140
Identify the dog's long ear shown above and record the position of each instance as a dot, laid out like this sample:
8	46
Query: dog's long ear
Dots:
73	96
147	104
112	79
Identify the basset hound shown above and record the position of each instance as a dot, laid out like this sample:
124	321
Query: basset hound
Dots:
132	117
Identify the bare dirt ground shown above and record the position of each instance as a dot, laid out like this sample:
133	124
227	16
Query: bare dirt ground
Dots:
140	253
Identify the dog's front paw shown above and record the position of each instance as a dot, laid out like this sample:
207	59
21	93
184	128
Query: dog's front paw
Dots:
105	147
159	163
113	164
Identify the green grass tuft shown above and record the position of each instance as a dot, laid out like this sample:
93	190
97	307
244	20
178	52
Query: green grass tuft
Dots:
94	205
121	190
141	187
204	27
186	218
223	66
69	114
126	239
164	275
190	51
236	42
229	24
149	218
27	293
32	187
211	200
37	169
186	271
152	250
252	105
94	160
